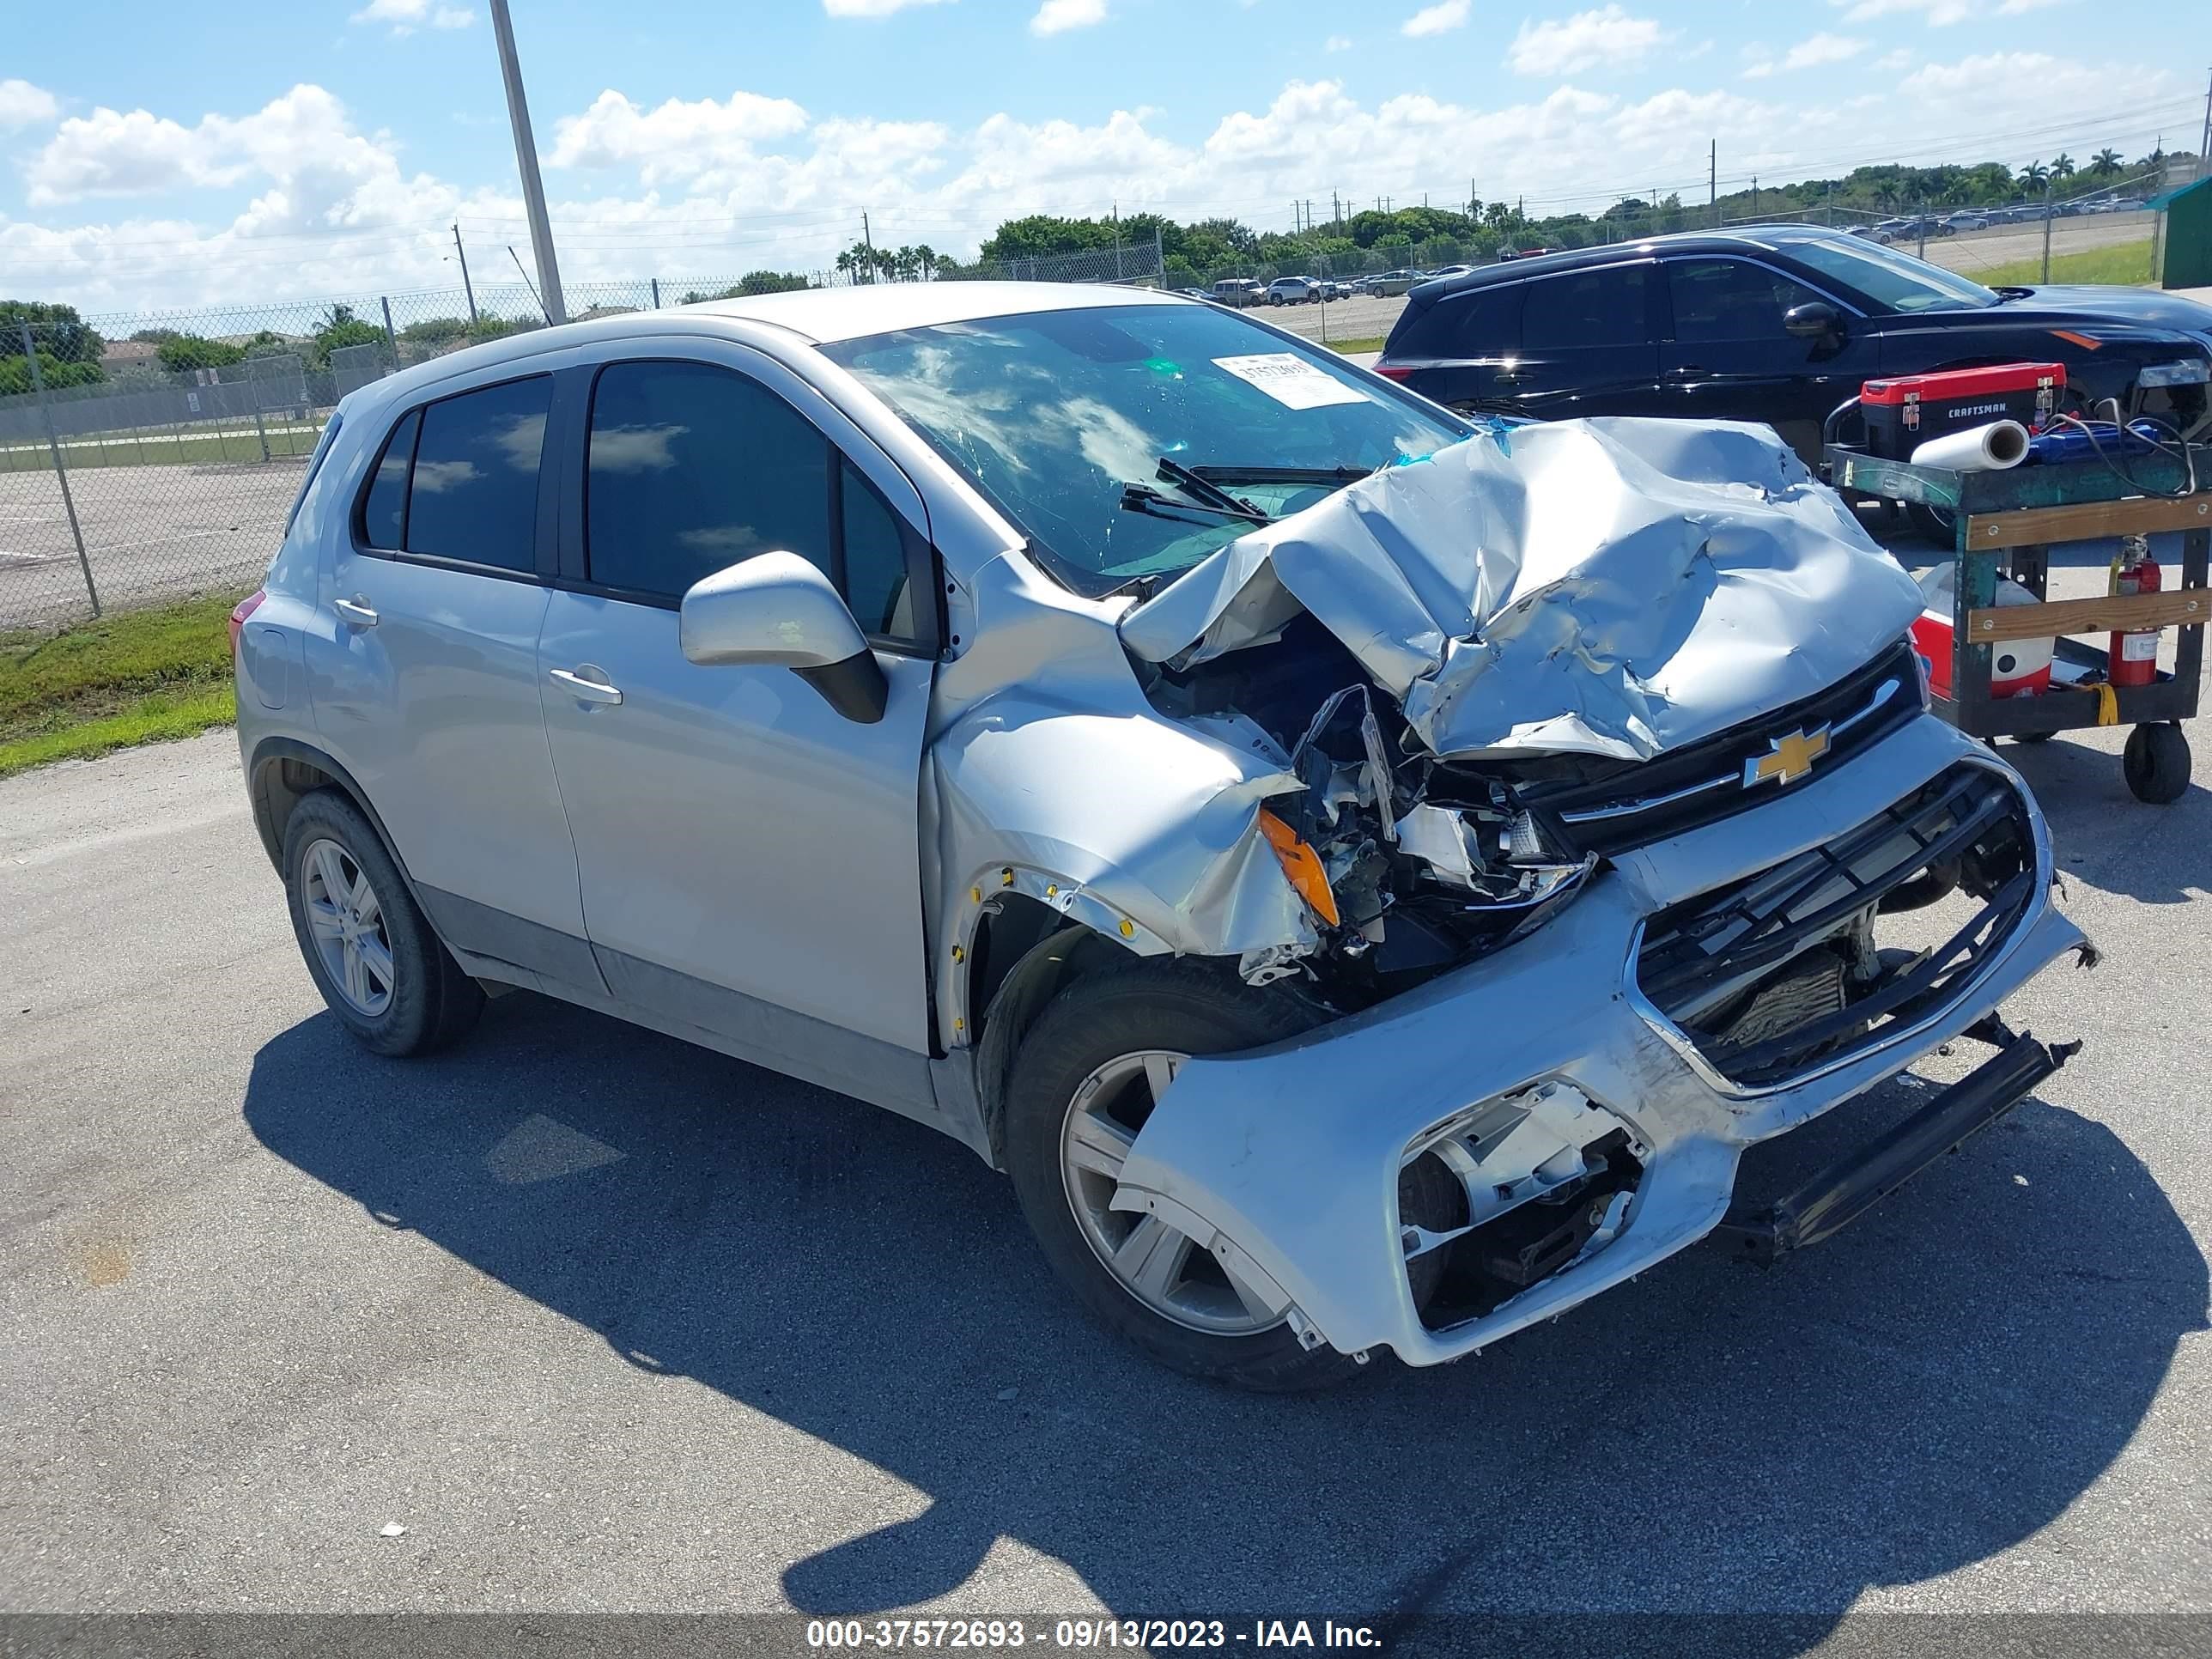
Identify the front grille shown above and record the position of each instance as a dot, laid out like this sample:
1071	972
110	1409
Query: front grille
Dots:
1719	966
1628	804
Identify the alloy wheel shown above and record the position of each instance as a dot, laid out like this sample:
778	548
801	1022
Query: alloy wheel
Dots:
345	919
1164	1268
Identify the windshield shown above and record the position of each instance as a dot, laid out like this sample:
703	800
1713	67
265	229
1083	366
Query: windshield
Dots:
1055	415
1892	279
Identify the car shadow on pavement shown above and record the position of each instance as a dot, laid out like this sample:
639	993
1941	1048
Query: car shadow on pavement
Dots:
1926	1390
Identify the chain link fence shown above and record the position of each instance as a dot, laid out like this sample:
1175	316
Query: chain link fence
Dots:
148	456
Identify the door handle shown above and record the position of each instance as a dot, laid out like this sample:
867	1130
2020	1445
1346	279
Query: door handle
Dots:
586	690
356	611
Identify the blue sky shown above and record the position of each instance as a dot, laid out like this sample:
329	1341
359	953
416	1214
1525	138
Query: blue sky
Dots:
158	155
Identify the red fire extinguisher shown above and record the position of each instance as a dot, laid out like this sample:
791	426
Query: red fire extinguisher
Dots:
2133	659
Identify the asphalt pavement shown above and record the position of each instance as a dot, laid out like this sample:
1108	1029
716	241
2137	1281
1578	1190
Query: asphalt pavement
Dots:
606	1322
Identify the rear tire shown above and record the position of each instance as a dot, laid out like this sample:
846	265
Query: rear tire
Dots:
367	946
1082	1084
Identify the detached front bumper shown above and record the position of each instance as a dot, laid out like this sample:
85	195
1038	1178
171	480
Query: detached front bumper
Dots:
1290	1159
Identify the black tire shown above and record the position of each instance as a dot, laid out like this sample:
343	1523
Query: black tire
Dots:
431	1001
2034	737
2155	763
1190	1007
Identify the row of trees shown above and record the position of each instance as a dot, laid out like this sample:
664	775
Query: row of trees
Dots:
69	351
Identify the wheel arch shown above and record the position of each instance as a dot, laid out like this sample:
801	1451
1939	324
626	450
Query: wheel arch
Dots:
1024	954
282	773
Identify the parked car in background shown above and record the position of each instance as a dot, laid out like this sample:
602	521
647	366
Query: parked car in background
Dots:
1958	221
914	690
1292	291
1778	324
1390	284
1195	293
1239	291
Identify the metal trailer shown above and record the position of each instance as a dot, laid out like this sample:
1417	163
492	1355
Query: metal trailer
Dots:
2007	522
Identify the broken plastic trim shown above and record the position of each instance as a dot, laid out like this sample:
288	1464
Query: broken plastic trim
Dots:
1846	1189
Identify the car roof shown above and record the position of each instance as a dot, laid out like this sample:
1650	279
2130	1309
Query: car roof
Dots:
1743	239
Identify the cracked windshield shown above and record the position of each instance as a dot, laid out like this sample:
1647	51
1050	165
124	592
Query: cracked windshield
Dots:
1131	443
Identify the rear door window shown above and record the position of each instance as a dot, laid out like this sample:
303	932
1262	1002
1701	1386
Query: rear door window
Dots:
473	495
1605	307
1730	300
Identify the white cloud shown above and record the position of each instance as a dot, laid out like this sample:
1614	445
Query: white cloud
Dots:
1337	43
1942	13
292	199
1806	54
22	105
673	140
1892	63
1439	19
1058	16
870	7
1607	35
405	16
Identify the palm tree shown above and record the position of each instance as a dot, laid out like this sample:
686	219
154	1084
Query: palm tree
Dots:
2062	167
2105	160
2034	175
927	259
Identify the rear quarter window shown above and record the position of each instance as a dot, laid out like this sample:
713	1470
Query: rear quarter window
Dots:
1479	322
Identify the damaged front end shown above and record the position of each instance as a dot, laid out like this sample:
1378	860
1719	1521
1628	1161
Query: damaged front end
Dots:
1635	693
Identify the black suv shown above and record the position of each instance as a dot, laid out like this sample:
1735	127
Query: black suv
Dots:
1778	324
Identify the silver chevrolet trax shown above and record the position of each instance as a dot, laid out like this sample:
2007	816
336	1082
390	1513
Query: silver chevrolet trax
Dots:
1366	875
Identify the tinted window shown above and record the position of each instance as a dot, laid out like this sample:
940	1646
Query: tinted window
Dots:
475	494
875	558
1481	322
1587	308
694	468
1730	300
384	513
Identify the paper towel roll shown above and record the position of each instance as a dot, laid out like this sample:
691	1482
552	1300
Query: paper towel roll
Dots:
1988	448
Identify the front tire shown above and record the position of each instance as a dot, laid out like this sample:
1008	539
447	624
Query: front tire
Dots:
1087	1075
371	952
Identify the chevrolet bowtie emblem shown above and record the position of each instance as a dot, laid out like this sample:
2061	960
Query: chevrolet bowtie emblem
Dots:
1792	758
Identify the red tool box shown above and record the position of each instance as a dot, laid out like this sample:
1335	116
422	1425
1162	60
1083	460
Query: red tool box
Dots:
1905	412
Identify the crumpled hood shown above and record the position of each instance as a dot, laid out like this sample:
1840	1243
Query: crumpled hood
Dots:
1613	586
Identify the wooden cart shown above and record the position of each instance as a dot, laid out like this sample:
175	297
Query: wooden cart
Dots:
2007	522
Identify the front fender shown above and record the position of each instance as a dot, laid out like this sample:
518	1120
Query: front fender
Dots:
1143	831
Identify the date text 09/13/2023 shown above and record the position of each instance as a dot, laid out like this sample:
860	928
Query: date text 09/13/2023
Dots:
1088	1635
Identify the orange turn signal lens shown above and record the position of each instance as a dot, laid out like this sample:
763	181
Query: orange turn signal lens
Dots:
1301	864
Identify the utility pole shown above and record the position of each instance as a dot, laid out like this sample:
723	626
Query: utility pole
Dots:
525	159
868	241
1755	198
462	253
1713	180
1336	210
2204	144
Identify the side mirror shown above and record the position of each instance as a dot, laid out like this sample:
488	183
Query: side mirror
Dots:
1812	320
778	611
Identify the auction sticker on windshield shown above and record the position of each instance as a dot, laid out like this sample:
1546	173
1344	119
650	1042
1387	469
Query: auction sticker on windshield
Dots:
1290	380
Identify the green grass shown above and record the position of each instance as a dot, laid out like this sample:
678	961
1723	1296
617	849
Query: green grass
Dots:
131	679
1366	342
2126	264
159	446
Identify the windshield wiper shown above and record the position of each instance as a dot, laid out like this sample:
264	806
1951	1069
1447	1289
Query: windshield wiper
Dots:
1281	475
1143	498
1195	483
